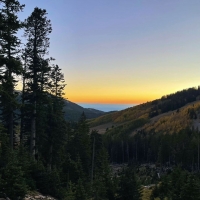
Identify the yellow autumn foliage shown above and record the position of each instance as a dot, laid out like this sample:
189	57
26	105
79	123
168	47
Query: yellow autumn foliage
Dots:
169	122
129	114
173	121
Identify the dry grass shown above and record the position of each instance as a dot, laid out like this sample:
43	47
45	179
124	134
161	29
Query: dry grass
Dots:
146	193
102	128
129	114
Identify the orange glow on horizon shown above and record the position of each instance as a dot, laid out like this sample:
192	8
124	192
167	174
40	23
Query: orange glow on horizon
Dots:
110	101
137	95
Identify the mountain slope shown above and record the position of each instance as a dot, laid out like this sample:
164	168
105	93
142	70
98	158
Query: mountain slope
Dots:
169	114
73	111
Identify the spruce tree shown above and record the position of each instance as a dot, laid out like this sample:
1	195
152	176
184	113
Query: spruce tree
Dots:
70	194
79	144
103	185
10	63
190	189
56	124
37	30
13	179
128	186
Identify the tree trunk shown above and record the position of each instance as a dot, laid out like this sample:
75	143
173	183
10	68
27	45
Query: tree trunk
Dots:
136	153
50	159
11	90
22	107
10	128
122	151
33	132
127	149
33	119
93	155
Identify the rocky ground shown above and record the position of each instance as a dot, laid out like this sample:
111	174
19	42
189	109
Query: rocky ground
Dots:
38	196
34	196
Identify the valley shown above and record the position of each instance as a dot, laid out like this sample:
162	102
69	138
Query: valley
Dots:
118	56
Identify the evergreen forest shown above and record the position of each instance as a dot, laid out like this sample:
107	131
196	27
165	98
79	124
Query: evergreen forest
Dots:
70	160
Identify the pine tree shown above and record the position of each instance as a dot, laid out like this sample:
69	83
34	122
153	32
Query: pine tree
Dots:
25	61
10	63
13	179
80	144
103	187
190	189
56	124
177	180
128	186
37	30
80	193
70	194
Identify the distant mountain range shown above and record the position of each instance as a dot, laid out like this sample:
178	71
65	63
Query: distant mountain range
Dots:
73	111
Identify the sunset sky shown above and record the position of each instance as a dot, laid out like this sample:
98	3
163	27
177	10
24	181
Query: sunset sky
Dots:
123	51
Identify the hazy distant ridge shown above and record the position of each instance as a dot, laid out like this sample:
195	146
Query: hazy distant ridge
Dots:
73	111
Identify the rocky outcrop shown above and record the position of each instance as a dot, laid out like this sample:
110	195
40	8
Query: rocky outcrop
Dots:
38	196
34	196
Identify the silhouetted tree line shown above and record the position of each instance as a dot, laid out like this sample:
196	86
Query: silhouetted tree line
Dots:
39	150
180	148
176	157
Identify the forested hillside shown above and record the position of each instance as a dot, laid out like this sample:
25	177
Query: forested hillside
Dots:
165	133
131	134
151	109
40	151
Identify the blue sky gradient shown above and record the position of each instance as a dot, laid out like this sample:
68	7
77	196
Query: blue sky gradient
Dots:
124	51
